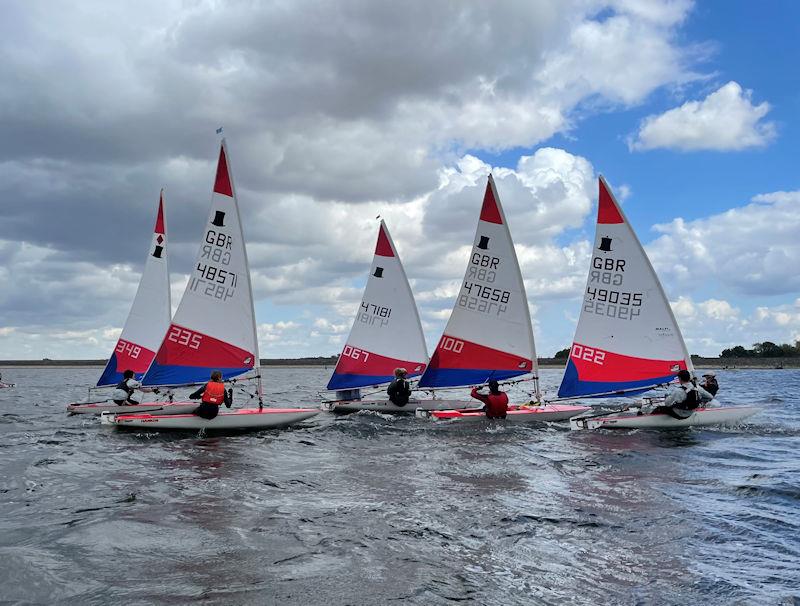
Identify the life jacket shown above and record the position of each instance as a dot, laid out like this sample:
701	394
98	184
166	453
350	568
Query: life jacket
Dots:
497	405
692	400
214	393
123	385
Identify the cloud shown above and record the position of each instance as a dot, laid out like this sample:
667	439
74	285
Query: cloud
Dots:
335	113
726	120
752	250
714	324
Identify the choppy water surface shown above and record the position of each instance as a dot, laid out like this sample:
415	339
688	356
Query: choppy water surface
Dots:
367	509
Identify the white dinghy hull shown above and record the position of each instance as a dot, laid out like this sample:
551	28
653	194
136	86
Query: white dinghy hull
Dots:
702	417
164	408
385	406
532	414
243	418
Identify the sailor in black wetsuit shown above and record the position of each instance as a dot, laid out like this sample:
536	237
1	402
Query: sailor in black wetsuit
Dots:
710	383
399	390
124	390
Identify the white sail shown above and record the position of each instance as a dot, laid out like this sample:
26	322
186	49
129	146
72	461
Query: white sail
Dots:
627	337
149	316
489	334
386	332
214	326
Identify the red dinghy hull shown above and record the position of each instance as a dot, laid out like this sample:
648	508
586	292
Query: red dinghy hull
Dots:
516	414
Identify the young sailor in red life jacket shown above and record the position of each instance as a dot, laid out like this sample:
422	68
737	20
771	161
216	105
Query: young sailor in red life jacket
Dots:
496	401
211	395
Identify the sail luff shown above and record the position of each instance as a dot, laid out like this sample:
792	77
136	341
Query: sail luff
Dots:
257	367
534	359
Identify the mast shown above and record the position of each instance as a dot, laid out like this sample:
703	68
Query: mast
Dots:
257	367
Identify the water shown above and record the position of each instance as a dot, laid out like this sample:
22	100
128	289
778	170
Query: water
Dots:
369	509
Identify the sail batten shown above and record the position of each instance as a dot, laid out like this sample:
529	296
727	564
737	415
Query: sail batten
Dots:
214	325
386	332
149	316
627	337
489	333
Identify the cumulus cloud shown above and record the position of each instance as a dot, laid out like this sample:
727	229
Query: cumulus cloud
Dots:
335	113
752	250
726	120
714	324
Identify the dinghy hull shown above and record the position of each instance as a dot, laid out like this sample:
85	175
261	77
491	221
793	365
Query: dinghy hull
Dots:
164	408
516	414
385	406
702	417
243	418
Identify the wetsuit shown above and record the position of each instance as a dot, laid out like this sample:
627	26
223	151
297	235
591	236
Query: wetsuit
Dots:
211	395
496	403
399	392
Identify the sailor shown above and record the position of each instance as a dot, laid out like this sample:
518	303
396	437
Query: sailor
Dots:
124	390
684	397
211	395
399	390
496	401
710	383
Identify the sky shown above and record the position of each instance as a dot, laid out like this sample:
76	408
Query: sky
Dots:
338	112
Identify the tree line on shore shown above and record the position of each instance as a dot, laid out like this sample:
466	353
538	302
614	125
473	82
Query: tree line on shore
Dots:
767	349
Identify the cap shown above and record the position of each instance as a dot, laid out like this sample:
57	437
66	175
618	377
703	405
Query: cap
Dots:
710	374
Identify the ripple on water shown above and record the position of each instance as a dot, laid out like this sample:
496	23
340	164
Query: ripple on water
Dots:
370	508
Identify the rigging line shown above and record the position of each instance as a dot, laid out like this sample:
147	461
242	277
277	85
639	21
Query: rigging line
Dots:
620	392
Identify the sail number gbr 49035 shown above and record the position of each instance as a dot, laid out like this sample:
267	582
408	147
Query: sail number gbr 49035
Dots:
612	303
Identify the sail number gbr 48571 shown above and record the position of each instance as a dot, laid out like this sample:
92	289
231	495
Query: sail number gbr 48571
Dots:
209	279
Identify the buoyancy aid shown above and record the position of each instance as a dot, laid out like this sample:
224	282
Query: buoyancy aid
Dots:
692	400
214	393
123	386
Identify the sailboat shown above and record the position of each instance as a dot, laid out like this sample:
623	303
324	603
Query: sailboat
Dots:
386	334
214	327
144	329
489	335
627	340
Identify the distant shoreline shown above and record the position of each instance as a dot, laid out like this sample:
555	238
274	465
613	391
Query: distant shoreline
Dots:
549	363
